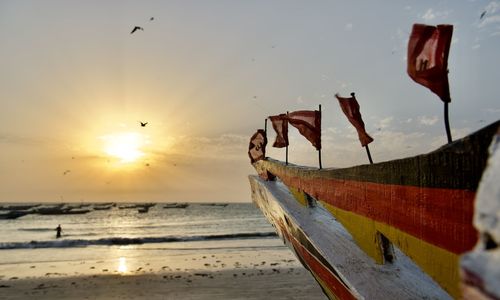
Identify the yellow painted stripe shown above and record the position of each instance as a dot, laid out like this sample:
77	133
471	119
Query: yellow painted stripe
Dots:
438	263
299	196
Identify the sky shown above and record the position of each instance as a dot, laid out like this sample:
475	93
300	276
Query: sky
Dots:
204	75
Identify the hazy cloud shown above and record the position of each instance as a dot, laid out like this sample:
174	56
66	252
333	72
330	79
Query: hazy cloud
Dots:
385	122
425	120
492	110
492	7
21	140
430	14
490	17
348	26
489	20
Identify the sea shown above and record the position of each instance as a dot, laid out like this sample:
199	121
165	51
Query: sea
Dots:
122	231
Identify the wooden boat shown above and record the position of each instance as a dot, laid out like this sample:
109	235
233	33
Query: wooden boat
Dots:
143	210
107	207
215	204
13	214
390	230
176	205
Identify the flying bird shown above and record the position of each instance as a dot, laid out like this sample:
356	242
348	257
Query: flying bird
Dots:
151	19
143	124
482	15
136	28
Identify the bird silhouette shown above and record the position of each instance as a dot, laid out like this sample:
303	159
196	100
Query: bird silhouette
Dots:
136	28
143	124
151	19
482	15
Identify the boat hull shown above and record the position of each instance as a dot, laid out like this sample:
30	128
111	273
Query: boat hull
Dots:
423	205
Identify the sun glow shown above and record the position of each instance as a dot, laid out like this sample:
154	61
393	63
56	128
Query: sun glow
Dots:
122	265
124	146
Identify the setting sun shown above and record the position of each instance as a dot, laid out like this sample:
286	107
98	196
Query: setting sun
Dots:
124	146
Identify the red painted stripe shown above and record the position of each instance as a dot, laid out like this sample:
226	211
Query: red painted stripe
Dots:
334	284
442	217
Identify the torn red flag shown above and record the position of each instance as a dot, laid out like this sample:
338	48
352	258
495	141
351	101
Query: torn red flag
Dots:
280	125
350	107
428	49
257	146
308	122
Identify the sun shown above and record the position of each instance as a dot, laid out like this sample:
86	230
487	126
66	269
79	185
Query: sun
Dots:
125	146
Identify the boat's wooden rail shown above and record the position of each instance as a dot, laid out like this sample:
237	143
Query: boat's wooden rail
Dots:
423	204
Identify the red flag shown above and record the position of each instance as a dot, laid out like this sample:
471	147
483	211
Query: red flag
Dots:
350	107
280	125
257	147
308	122
428	49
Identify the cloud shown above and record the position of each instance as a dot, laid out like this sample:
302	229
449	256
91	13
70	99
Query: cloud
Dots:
492	7
425	120
490	17
385	122
489	20
430	14
22	140
225	147
492	110
476	46
348	26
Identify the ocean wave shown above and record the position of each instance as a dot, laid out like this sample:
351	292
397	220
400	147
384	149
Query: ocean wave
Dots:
36	229
111	241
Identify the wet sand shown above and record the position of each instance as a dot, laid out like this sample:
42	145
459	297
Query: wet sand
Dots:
251	275
240	284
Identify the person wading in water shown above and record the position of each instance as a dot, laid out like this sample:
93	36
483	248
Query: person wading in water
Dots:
58	231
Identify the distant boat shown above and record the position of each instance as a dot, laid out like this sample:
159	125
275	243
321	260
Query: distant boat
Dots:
103	207
14	214
75	211
143	210
19	207
215	204
176	205
128	206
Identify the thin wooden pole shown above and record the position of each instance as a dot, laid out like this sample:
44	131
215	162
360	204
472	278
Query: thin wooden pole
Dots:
319	151
286	149
447	123
369	155
265	129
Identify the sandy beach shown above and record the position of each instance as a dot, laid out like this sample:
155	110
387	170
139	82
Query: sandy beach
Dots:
210	275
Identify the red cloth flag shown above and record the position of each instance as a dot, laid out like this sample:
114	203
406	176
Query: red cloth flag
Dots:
280	125
428	49
350	107
257	147
308	122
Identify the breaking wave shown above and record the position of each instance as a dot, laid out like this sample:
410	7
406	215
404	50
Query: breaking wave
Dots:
111	241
